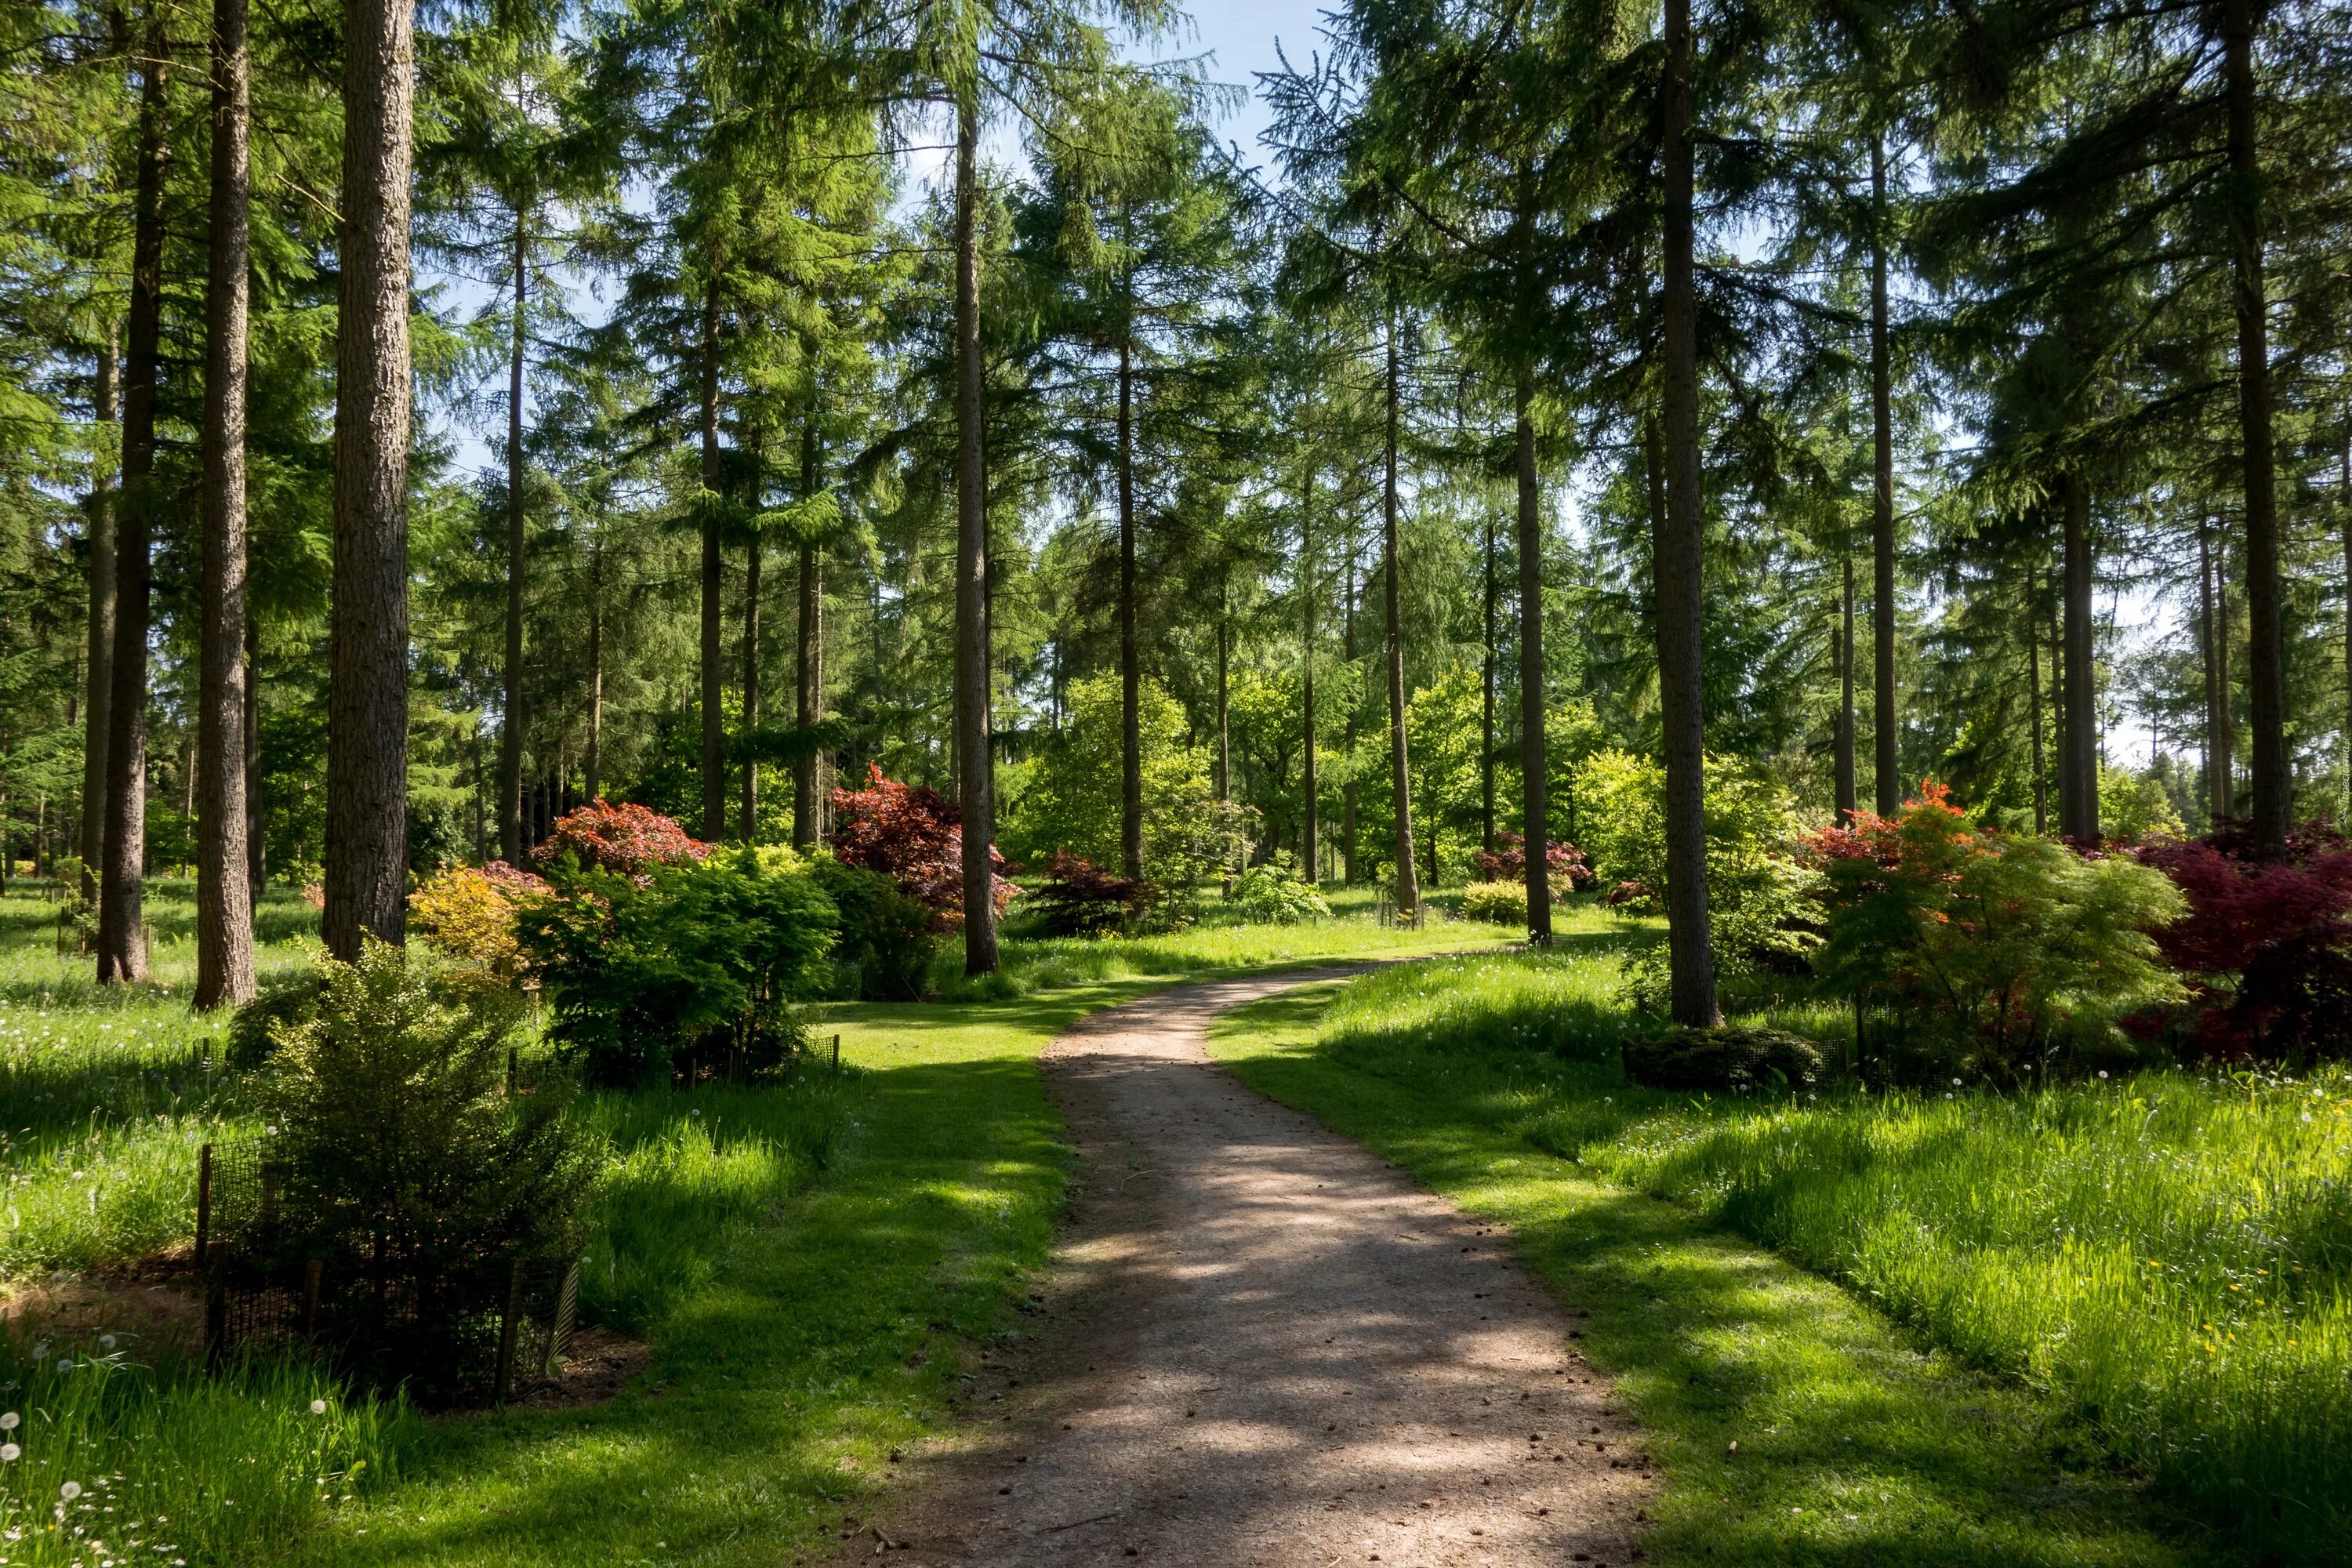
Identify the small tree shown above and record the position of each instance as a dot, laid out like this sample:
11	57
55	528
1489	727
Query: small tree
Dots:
915	836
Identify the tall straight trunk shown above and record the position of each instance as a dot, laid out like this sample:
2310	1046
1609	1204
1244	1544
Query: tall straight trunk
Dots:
2344	504
1310	838
1225	694
748	805
367	705
120	953
224	892
714	722
510	732
975	763
2078	734
1130	673
808	709
256	857
97	675
2274	781
1487	692
1678	554
2033	705
1885	733
1408	884
1535	822
593	761
2221	727
1348	651
1849	799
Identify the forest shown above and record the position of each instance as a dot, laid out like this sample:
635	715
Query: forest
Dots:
630	628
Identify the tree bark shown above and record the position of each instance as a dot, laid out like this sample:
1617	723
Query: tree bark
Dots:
257	854
1130	672
367	739
2274	781
121	953
1849	799
223	889
1310	840
975	759
1885	732
1678	564
1348	651
1486	688
809	707
2078	752
2220	726
749	805
511	734
1535	778
593	761
98	676
714	721
1408	884
2034	704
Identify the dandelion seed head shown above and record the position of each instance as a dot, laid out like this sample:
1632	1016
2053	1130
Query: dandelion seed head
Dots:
318	1407
70	1490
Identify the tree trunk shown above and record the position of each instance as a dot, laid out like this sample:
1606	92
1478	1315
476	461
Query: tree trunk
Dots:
1310	838
120	953
2078	741
367	743
714	720
809	709
224	891
1677	555
1130	674
2220	718
1849	799
510	732
1486	690
256	855
594	761
1408	886
2274	781
1224	692
749	799
2034	704
975	762
2344	504
1535	778
1885	732
98	686
1348	651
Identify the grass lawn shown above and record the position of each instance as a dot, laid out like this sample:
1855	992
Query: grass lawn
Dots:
811	1264
2059	1255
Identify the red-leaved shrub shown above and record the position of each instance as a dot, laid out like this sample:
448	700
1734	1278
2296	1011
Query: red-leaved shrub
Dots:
1570	870
1081	898
2268	943
915	836
630	839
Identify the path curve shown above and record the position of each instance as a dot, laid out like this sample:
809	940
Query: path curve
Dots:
1260	1343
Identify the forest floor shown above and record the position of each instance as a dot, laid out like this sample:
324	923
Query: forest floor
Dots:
1259	1344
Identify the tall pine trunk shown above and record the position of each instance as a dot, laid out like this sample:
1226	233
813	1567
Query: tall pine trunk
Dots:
2078	733
257	856
975	751
1534	763
1130	673
511	734
1408	881
2220	718
2274	781
1885	732
808	709
1677	563
747	802
714	721
1849	798
1486	687
593	761
1310	838
122	954
97	676
2034	703
367	704
1348	652
223	890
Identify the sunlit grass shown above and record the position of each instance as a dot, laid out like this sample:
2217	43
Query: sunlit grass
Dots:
2165	1257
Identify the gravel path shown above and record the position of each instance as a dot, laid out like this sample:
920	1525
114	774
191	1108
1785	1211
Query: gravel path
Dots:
1261	1344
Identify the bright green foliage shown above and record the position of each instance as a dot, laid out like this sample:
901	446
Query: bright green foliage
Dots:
1503	903
1272	892
1995	951
2134	807
886	939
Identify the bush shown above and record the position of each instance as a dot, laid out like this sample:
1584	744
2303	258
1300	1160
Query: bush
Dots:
281	1003
1080	899
2268	944
887	941
1273	893
1504	904
410	1172
629	839
469	913
1569	872
1997	949
915	836
1739	1058
686	973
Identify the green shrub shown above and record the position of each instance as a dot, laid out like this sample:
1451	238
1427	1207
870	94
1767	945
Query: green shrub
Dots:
283	1002
1738	1058
887	939
685	971
410	1172
1503	903
1273	893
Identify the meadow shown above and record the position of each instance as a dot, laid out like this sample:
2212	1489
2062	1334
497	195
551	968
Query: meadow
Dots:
2162	1259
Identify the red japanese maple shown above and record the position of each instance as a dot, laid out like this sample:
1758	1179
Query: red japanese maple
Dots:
2270	941
630	839
914	836
1566	863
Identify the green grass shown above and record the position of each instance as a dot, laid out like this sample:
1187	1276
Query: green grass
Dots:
2060	1253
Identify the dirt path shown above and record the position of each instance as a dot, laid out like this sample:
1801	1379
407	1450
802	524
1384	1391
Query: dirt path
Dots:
1261	1344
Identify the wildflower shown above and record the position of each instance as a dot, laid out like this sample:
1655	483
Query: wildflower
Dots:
70	1490
106	1342
10	1453
318	1407
10	1422
2102	1072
